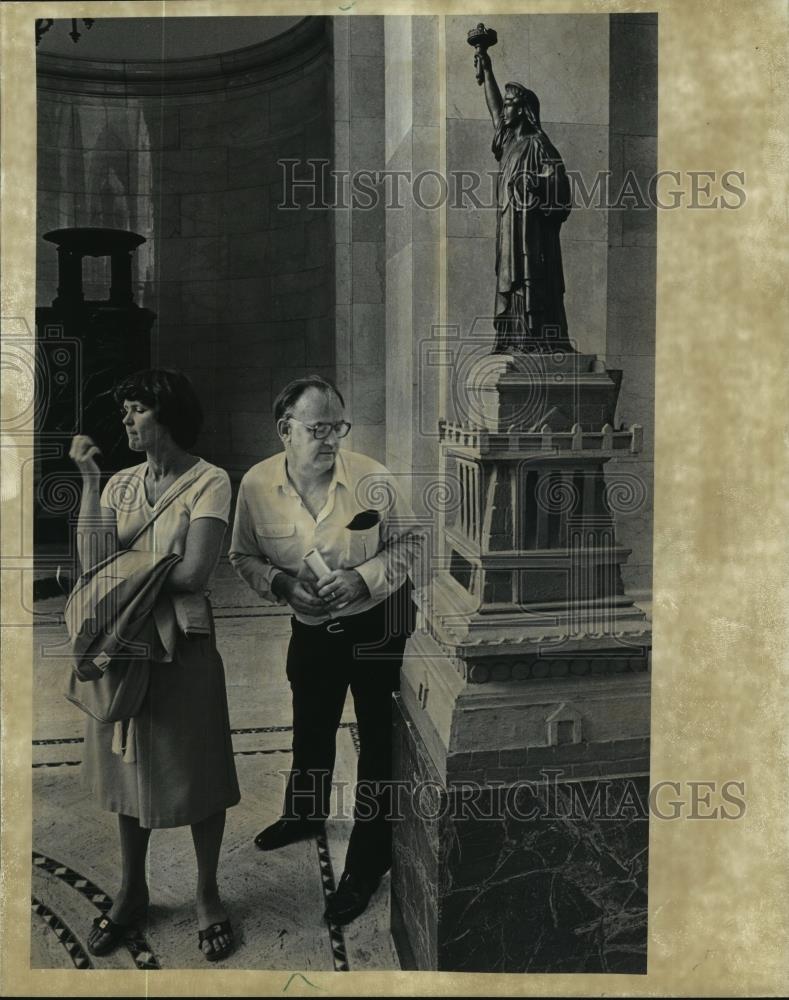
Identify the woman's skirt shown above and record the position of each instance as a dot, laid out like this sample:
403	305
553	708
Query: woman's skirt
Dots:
183	770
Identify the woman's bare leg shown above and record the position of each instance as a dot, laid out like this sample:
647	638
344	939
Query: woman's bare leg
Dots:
133	893
207	838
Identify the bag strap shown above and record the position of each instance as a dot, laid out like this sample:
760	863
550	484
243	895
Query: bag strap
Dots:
188	480
87	575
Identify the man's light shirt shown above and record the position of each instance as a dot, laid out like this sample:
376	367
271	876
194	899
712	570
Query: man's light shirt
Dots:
273	530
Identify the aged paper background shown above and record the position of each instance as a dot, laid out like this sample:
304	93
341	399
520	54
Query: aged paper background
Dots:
717	890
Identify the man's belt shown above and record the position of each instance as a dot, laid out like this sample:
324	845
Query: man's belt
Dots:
397	612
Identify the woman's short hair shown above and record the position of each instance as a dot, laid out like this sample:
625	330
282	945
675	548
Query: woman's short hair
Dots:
172	398
294	390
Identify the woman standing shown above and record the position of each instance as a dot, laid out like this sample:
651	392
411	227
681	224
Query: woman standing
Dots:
181	769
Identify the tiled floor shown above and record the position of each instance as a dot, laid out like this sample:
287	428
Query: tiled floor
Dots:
275	900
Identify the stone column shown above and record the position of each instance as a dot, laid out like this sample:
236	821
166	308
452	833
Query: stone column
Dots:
413	249
358	67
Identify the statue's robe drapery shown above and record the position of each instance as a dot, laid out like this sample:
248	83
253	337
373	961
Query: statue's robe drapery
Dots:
533	201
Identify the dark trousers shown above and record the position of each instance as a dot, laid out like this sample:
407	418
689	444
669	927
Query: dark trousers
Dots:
364	652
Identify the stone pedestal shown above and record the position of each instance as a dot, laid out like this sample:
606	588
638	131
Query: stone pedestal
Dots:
523	722
556	387
498	876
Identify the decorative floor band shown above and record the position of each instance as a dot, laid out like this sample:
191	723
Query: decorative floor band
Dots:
336	937
58	742
134	942
251	730
235	732
246	731
280	729
63	933
350	726
236	753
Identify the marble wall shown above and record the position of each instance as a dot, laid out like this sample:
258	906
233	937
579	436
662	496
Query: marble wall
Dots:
358	231
242	289
413	250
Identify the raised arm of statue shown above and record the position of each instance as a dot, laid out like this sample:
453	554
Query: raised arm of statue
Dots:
493	97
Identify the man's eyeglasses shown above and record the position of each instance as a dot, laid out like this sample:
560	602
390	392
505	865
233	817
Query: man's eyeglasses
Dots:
321	431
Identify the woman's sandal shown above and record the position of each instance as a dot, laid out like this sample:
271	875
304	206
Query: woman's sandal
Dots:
110	934
211	934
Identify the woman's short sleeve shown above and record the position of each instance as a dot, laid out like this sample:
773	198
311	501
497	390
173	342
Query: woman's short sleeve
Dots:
121	491
213	496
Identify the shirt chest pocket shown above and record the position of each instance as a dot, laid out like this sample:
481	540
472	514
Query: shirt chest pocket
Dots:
278	541
358	546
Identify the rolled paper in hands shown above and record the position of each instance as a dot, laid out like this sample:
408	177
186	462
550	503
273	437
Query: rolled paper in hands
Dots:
316	563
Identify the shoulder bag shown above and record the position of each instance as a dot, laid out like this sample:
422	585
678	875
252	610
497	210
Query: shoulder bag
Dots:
111	689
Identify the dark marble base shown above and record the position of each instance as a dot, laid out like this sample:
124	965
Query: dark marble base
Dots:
399	931
550	877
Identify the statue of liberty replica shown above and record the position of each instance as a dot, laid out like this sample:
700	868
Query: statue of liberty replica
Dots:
533	200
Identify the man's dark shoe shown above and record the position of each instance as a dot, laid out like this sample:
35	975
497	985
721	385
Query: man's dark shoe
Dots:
287	831
351	898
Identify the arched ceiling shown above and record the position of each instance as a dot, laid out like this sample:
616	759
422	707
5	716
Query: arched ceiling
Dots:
140	39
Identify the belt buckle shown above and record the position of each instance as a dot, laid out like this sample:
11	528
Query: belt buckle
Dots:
334	628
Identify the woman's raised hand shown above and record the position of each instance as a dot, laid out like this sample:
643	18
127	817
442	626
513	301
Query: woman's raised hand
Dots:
83	453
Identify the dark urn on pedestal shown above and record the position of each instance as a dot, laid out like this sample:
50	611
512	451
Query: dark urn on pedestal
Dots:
82	348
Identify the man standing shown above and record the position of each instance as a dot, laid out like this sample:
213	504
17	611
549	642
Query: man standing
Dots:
350	622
